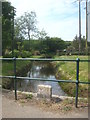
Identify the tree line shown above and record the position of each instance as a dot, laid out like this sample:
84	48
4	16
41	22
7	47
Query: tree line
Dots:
22	36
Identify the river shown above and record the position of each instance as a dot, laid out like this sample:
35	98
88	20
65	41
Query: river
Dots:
40	70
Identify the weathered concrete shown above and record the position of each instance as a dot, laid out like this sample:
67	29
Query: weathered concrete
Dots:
16	109
44	91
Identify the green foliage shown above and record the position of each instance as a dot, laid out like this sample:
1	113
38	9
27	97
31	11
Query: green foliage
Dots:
41	35
25	25
7	55
54	44
67	108
29	96
16	53
67	70
26	54
73	48
7	25
22	53
47	47
8	69
48	55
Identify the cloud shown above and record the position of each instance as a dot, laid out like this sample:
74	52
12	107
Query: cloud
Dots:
58	17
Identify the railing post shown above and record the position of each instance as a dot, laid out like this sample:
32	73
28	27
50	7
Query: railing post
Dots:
77	81
15	81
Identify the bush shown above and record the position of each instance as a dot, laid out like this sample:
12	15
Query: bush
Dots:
8	55
26	54
49	55
16	53
36	53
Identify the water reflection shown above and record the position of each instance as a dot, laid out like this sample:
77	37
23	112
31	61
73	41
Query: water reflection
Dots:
40	70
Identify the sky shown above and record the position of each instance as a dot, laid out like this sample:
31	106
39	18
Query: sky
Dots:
59	18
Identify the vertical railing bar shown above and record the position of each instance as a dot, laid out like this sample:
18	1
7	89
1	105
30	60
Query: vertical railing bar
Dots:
77	81
15	80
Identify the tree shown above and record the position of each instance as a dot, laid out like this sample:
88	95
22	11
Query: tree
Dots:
52	45
75	43
7	24
18	30
26	24
41	35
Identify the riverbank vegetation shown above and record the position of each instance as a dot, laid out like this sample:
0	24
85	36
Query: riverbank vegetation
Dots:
20	39
22	68
67	71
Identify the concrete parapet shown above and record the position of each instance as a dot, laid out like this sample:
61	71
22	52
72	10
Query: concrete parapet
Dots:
44	91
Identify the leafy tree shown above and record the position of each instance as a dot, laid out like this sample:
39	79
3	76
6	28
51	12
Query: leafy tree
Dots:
18	30
75	43
41	35
7	25
52	45
26	25
55	44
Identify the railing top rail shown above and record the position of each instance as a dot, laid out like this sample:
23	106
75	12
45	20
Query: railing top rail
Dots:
45	59
43	79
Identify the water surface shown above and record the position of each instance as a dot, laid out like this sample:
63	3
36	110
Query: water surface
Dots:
41	70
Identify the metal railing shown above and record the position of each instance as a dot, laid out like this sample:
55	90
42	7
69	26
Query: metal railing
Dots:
77	82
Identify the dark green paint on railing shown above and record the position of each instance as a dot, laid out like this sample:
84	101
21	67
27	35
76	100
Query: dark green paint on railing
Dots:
77	82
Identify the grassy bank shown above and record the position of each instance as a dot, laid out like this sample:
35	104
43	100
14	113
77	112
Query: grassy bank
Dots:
67	70
8	66
22	68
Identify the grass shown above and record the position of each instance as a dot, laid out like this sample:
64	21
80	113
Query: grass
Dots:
37	56
8	69
8	66
67	70
29	96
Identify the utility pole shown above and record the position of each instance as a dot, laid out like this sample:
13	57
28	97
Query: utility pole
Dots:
79	26
86	26
13	33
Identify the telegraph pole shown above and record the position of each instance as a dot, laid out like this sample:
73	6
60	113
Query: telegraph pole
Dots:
13	33
86	26
79	26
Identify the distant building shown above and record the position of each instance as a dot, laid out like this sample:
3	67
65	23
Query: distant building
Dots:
88	21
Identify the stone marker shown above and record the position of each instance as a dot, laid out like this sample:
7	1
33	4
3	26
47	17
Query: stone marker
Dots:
44	91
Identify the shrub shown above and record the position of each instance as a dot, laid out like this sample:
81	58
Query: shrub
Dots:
26	54
49	55
29	96
8	55
16	53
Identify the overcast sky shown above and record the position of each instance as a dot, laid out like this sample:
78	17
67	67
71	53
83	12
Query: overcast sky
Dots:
59	18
